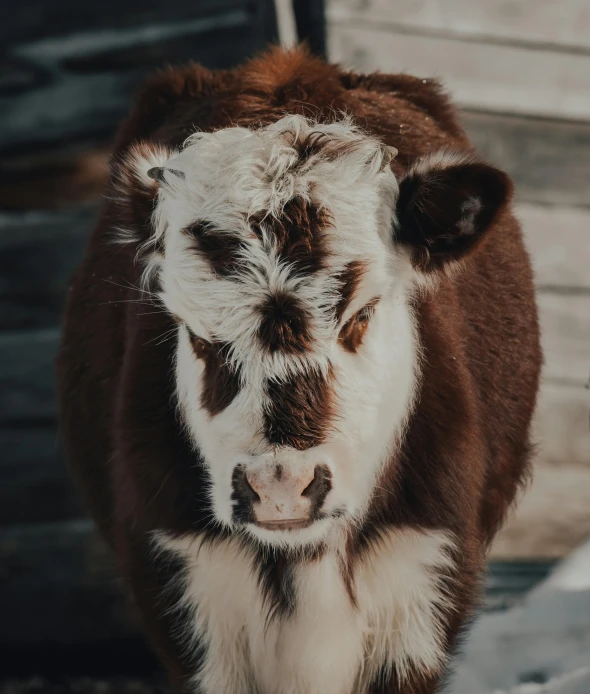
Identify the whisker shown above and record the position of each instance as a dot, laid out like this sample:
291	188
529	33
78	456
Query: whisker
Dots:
162	336
164	339
131	286
127	301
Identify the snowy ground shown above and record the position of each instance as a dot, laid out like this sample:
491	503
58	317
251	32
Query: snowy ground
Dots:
540	647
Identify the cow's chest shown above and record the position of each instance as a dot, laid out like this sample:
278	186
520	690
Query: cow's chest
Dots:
342	629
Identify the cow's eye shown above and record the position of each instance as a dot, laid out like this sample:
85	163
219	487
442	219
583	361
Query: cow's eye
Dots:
352	332
200	346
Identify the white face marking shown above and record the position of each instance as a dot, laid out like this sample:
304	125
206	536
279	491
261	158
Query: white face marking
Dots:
224	177
326	646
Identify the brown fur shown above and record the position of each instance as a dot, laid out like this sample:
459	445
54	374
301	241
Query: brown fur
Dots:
466	450
284	325
221	379
297	234
299	411
220	248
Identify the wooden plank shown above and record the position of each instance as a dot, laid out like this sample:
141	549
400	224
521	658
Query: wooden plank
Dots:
562	424
552	518
34	484
27	379
59	586
509	581
75	106
564	24
310	16
558	240
481	76
549	160
61	178
38	254
565	330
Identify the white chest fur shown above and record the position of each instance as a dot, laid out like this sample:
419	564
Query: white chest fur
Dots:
328	645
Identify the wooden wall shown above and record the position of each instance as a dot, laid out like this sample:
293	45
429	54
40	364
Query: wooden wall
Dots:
520	69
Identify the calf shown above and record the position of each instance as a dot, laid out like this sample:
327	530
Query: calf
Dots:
297	374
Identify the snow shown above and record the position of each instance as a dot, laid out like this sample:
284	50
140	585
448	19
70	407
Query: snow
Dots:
539	647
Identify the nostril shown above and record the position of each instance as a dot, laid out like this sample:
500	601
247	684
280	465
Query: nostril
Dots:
241	485
318	488
309	490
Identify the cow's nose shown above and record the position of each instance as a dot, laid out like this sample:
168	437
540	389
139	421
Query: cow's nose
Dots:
281	497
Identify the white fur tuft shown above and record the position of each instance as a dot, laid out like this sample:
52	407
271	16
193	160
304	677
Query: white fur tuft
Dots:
327	646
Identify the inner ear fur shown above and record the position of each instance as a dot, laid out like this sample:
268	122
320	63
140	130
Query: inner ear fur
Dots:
446	204
133	190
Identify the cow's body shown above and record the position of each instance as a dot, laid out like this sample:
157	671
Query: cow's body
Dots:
372	606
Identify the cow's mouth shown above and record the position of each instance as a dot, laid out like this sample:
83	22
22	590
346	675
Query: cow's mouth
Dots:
287	524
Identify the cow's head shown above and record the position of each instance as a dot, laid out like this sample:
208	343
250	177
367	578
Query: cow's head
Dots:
289	255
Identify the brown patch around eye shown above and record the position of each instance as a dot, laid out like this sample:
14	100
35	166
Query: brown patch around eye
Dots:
220	248
221	380
353	331
349	280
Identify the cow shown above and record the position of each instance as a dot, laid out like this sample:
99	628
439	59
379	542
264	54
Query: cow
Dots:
298	368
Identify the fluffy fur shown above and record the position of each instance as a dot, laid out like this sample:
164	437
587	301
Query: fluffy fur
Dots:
328	645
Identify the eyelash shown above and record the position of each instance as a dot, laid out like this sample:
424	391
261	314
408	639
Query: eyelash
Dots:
353	331
200	346
365	314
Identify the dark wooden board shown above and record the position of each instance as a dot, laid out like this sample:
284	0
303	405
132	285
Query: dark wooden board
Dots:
79	600
41	19
34	483
68	76
311	24
38	254
27	381
61	178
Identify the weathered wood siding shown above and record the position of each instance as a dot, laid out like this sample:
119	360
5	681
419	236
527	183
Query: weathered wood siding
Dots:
499	55
520	69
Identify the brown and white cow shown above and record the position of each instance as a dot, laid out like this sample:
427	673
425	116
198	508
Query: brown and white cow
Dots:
297	375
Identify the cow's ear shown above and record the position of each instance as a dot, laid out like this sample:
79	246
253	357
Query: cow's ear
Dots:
446	204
